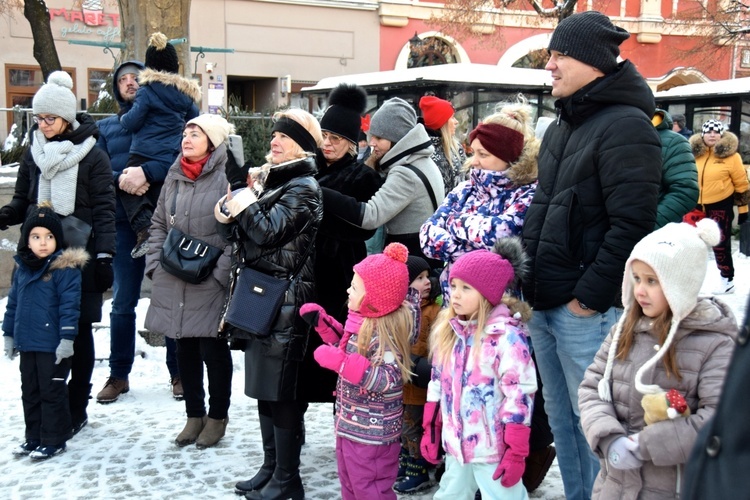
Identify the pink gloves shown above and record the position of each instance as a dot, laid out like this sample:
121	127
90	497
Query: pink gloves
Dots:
326	325
432	423
516	437
352	366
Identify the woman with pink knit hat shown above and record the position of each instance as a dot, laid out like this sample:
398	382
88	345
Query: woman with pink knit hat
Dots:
440	122
370	353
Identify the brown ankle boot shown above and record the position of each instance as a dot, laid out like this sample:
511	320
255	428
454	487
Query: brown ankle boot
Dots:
212	432
192	430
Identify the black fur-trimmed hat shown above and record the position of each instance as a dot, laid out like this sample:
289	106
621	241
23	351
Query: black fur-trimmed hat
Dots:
343	116
161	55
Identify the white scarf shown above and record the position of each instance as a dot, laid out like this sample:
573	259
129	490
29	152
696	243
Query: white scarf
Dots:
58	162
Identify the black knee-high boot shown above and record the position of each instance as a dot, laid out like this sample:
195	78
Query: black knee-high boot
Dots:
269	459
286	481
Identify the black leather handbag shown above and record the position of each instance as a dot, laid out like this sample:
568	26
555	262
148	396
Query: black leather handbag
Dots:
257	298
190	259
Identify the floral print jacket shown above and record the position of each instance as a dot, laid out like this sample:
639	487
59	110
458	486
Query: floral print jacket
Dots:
479	392
473	216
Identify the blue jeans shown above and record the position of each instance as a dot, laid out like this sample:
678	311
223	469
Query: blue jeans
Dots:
565	345
126	292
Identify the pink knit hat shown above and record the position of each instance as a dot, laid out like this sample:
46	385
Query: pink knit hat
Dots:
386	280
486	271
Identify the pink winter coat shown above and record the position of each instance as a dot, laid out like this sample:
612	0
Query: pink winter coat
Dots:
704	344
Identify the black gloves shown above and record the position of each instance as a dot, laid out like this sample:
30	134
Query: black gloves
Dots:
103	274
236	175
342	206
742	218
7	215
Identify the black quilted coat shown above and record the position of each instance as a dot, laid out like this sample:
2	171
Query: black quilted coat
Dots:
274	235
599	176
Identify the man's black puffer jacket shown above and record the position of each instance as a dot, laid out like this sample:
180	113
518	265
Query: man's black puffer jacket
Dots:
599	174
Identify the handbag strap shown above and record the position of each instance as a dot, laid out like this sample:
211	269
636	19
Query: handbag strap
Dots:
174	204
426	183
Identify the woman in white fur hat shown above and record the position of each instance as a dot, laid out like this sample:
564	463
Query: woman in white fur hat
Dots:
657	377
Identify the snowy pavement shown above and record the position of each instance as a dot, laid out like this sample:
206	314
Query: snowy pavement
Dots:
128	451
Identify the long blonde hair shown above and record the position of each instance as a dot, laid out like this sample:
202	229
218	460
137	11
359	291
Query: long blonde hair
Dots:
443	338
393	331
661	326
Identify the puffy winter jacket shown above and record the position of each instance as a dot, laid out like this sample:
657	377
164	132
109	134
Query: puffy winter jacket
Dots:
163	104
44	304
703	346
678	192
599	175
721	173
94	204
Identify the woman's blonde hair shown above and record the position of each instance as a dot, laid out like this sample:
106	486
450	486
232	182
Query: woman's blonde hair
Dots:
443	338
310	124
661	326
394	331
450	143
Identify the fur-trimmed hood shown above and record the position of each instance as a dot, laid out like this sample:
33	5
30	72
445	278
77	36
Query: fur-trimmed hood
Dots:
184	85
524	170
725	148
70	258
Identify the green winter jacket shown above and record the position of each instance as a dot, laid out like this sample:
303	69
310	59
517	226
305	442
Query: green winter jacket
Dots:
678	192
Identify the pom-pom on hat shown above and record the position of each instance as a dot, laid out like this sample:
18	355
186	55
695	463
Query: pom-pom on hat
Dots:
714	125
501	141
344	114
393	120
42	215
492	272
416	265
677	253
214	126
435	111
386	280
591	38
161	55
56	97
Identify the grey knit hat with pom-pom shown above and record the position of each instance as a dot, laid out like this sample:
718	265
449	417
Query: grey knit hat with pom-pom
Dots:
56	97
677	253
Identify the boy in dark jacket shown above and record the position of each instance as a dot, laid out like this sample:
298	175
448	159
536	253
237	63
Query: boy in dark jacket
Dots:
41	322
163	104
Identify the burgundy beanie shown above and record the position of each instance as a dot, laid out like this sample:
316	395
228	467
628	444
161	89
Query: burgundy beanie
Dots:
501	141
486	271
435	111
386	280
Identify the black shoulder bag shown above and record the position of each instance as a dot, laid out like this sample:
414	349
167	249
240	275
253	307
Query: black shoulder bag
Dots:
190	259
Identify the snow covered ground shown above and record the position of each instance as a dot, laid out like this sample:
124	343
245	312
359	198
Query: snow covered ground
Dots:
127	450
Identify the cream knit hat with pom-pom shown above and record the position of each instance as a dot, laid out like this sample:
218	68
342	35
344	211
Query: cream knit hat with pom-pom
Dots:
677	253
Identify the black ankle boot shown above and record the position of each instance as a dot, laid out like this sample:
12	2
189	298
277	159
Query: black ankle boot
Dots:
269	459
286	482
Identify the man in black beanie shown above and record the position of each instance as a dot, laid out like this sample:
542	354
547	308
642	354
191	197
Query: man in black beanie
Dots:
599	174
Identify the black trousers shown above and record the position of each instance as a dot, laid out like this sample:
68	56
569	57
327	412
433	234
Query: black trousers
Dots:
81	369
139	209
723	213
45	398
285	414
192	353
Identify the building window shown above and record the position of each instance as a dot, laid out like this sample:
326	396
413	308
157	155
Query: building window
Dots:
97	83
21	83
745	61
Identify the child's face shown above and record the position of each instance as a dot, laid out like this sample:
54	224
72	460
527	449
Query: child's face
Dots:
422	284
465	299
356	293
42	242
647	290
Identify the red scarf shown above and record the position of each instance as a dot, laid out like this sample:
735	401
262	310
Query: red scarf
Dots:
193	168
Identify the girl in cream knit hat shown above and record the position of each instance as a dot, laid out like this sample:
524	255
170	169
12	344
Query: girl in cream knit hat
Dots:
668	345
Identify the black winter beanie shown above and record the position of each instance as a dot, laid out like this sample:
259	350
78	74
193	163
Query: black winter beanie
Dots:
42	215
589	37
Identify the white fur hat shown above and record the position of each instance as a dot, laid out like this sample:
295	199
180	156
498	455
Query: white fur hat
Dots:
678	254
214	126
